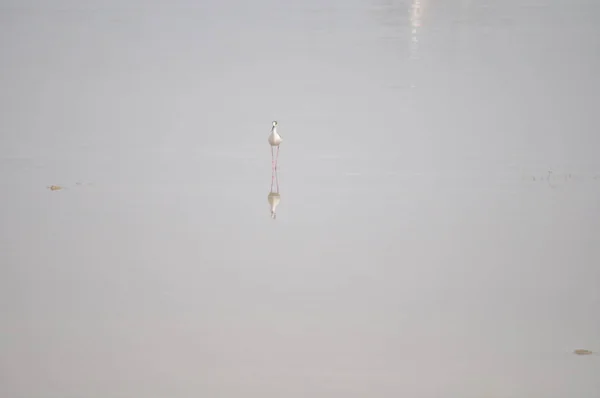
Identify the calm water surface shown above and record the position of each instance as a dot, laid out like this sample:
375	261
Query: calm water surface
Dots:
438	233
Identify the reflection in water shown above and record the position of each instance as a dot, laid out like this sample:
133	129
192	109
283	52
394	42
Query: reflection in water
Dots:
415	24
415	19
274	196
403	20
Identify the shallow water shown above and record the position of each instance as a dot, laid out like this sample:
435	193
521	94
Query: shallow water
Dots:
438	230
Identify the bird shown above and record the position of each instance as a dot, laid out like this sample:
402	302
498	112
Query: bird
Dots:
274	140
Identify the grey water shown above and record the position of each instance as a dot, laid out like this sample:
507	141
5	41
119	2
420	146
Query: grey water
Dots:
438	231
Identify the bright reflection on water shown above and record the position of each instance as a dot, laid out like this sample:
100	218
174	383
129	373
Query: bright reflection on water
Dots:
274	195
439	235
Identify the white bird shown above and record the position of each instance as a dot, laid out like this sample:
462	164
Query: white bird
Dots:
274	140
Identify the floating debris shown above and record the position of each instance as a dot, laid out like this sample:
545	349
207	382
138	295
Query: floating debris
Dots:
582	352
60	188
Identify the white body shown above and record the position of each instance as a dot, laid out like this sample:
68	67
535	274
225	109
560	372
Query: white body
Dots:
274	138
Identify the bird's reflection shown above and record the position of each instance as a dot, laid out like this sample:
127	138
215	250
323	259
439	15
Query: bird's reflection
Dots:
274	196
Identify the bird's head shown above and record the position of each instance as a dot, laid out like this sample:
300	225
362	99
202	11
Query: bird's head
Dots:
275	123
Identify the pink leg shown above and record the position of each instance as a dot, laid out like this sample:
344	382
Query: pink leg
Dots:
272	178
277	158
272	160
